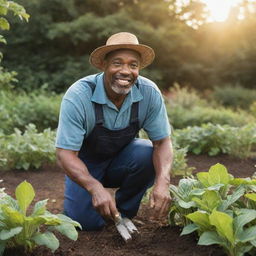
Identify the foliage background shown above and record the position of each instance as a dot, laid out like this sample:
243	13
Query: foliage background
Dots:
53	48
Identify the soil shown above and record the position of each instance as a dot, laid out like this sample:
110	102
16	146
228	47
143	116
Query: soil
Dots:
155	238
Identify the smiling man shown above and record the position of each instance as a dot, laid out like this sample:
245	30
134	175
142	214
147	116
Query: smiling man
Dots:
97	144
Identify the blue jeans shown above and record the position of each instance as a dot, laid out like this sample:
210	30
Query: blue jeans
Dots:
131	171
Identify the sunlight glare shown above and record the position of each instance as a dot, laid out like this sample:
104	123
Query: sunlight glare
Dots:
219	9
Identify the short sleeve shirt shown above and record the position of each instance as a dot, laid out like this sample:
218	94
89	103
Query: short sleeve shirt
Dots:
77	115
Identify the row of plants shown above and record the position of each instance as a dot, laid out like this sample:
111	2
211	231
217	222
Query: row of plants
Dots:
215	139
31	149
38	107
25	227
185	108
221	209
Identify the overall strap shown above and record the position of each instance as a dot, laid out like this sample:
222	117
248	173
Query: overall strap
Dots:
98	107
134	117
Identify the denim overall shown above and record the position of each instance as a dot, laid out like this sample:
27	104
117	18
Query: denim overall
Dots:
118	160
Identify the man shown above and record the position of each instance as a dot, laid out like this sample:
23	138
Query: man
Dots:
96	140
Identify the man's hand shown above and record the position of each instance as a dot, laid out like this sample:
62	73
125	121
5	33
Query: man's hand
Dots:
103	202
160	200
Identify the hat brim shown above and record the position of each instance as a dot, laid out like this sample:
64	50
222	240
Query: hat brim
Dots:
147	54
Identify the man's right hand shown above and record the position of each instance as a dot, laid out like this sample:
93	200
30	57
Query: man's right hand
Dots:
103	202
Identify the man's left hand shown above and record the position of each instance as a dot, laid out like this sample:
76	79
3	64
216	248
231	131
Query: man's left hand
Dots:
160	200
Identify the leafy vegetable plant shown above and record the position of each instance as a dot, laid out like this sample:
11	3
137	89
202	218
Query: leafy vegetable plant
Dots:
17	229
221	208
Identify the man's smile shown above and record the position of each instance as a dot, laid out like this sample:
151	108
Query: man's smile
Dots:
124	82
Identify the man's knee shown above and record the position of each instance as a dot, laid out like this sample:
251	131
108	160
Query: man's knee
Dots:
143	151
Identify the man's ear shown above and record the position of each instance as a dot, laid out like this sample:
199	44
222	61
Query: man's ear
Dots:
103	65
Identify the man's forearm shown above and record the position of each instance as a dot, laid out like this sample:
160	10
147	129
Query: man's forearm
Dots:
76	169
162	160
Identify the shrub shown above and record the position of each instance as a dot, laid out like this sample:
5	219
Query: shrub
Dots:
184	97
234	96
18	110
181	117
20	230
28	150
216	139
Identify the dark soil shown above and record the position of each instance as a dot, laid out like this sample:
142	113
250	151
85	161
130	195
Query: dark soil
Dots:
155	239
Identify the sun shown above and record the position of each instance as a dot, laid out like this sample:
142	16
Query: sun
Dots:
219	9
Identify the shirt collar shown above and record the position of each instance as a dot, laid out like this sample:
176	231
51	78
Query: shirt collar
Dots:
99	95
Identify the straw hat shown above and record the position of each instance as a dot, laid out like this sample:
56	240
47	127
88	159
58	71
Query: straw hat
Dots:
122	40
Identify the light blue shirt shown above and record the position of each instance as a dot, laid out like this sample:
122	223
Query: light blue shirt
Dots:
77	115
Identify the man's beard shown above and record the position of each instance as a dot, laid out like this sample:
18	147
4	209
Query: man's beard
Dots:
121	90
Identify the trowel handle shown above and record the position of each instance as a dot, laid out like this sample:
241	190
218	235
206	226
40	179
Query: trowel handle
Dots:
118	218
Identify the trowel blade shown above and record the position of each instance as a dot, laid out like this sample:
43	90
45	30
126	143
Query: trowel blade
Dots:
121	228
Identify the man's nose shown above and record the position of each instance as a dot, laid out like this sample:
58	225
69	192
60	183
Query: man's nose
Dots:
125	69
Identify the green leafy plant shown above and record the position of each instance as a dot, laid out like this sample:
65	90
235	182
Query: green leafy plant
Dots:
28	150
220	208
182	200
232	233
19	109
18	229
215	139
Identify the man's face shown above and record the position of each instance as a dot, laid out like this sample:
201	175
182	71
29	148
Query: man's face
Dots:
121	69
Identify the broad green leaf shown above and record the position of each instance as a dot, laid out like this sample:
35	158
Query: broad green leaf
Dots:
185	187
201	219
65	218
48	239
203	178
215	187
248	234
6	234
12	217
39	208
232	198
197	192
211	237
218	174
251	196
12	203
189	229
25	195
186	205
245	217
4	24
68	230
223	224
241	181
243	249
51	219
210	200
47	220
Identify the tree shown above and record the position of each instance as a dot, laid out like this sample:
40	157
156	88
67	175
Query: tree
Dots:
7	78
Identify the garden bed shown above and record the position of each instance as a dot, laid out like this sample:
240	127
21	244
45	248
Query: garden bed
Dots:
155	239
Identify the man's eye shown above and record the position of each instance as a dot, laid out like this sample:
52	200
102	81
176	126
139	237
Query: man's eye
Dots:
134	65
117	64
